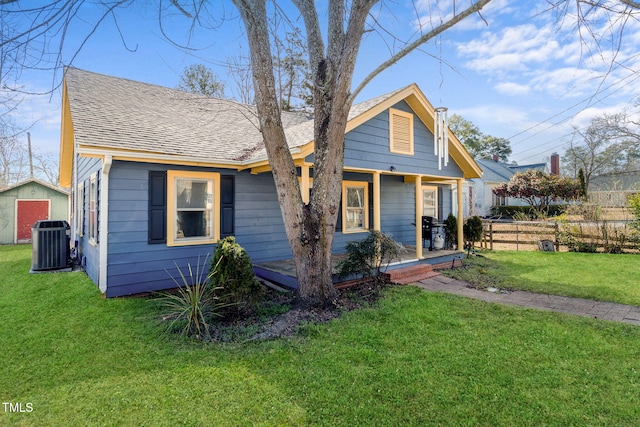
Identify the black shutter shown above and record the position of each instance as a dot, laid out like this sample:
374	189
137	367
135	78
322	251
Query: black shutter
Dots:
339	221
227	205
157	207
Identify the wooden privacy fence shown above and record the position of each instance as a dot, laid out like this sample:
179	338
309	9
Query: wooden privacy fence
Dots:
603	236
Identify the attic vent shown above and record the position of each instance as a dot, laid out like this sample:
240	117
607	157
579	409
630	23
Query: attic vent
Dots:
400	132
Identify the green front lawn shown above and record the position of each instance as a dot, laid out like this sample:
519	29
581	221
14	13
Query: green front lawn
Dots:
418	358
603	277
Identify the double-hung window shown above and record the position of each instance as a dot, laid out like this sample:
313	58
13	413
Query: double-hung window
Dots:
193	204
355	206
499	200
430	201
93	208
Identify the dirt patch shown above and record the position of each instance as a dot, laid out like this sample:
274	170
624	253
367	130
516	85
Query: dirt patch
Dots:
279	316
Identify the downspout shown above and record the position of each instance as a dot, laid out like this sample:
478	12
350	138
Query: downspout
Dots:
74	178
104	222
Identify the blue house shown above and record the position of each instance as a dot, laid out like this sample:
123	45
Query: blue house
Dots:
158	176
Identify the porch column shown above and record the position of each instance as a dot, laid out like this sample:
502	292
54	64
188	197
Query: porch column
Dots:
304	183
419	216
460	215
376	202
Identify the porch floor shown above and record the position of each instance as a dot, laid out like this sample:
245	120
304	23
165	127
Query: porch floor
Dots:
283	272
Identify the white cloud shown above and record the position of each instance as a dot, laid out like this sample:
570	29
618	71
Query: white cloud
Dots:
514	89
515	48
492	117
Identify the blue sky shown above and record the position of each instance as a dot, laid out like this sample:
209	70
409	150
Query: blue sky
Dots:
516	72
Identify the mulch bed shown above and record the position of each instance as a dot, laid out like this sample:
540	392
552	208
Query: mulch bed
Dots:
279	316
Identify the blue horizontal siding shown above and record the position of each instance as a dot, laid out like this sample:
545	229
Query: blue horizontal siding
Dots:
367	146
136	266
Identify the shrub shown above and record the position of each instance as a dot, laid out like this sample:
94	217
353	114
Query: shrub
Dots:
451	230
526	212
590	236
369	258
234	282
193	306
472	230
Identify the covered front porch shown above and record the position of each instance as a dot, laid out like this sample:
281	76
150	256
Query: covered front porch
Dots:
283	272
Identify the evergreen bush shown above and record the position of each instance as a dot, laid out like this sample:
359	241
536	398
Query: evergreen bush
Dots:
234	280
472	231
451	230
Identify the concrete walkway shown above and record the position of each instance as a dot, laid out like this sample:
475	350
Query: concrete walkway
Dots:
577	306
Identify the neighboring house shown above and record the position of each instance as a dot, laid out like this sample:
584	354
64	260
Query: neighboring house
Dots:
159	175
22	204
479	197
613	189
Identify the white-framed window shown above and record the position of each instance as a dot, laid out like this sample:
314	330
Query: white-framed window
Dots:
400	132
355	206
499	200
93	208
430	201
193	203
79	212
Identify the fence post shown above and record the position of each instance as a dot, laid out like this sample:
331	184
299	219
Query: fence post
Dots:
491	235
517	237
556	232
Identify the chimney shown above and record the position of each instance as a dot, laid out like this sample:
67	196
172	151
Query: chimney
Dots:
555	164
496	158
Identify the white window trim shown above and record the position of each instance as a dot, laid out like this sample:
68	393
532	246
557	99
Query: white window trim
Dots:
80	209
435	199
93	220
355	184
393	112
172	175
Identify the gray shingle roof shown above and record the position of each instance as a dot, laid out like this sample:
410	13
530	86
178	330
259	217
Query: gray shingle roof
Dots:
111	112
117	113
499	172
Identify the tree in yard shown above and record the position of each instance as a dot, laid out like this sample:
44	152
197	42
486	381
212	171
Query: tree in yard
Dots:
310	227
18	163
198	78
608	145
291	73
479	145
539	189
331	58
583	184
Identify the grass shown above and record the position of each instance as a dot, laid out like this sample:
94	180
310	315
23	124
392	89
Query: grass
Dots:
602	277
417	358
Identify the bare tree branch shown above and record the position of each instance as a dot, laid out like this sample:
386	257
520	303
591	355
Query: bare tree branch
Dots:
476	7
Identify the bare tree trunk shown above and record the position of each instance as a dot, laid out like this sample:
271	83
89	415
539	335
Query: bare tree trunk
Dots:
310	228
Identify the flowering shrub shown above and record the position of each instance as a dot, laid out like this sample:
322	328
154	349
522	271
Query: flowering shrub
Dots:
539	189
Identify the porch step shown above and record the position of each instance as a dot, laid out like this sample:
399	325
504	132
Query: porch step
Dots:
411	274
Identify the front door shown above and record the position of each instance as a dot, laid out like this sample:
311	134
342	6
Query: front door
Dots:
28	212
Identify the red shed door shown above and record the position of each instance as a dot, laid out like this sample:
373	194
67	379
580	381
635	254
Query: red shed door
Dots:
29	211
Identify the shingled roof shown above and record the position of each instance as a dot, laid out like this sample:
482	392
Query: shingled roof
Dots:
116	113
